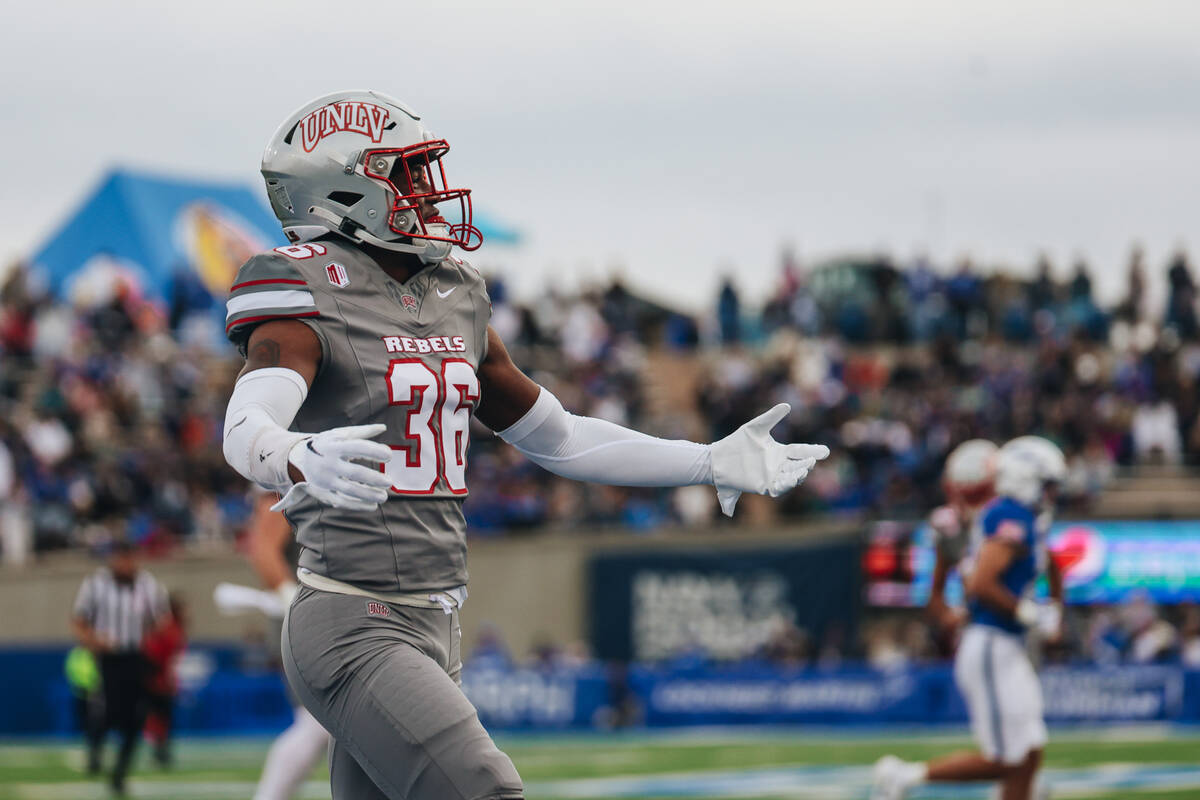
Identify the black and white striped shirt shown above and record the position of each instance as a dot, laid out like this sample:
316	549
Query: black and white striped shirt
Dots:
121	613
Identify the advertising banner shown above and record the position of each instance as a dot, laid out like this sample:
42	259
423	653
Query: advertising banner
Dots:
1103	562
925	695
530	698
1113	694
652	607
592	696
744	697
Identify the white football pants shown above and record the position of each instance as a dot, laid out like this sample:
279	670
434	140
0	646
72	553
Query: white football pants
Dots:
292	757
1002	693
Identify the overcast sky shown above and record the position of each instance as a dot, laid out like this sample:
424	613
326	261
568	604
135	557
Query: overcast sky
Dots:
678	139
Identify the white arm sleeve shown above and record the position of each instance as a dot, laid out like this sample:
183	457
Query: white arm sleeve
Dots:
257	440
589	449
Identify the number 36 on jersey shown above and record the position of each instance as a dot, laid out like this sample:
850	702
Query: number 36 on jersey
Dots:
434	430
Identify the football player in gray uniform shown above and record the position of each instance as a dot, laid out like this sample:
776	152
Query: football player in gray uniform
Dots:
368	351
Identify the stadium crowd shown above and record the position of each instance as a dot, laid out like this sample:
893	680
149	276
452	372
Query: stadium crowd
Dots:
890	367
110	424
111	407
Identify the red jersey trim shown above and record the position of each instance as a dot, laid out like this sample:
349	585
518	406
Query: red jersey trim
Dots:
245	320
243	285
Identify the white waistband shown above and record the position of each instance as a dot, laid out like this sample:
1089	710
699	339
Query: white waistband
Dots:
984	628
446	599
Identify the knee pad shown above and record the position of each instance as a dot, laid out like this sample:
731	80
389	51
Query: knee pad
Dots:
465	764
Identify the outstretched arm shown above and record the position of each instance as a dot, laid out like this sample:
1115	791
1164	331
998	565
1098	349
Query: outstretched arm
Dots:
507	393
282	360
531	419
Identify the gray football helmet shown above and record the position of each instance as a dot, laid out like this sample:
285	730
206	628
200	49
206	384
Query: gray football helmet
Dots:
361	164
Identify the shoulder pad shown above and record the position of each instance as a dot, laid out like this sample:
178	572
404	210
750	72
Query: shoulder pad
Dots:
1007	521
269	286
467	274
1011	530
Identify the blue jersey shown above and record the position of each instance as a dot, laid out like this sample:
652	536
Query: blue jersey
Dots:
1008	520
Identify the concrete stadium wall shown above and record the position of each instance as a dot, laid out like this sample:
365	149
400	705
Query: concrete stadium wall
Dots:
532	587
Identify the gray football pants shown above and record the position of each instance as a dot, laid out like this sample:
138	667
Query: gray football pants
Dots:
383	680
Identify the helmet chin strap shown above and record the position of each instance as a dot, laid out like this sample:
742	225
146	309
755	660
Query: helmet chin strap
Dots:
430	252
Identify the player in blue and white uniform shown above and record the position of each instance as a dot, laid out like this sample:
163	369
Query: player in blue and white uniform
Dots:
992	669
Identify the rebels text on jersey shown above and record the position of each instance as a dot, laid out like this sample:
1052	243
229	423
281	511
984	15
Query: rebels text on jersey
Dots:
402	354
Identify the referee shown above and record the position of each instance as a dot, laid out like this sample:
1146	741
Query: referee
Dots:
116	607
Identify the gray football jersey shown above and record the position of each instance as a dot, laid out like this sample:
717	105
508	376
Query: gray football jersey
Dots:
401	354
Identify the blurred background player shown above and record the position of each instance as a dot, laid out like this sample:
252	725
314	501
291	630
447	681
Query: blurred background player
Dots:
969	481
163	647
992	670
116	608
274	554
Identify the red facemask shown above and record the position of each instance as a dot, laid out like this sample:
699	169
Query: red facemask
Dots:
395	167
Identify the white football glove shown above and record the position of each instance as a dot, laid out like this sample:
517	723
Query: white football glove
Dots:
1044	618
331	476
749	460
231	598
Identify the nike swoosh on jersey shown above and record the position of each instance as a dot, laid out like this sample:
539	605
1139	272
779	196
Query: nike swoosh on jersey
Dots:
446	293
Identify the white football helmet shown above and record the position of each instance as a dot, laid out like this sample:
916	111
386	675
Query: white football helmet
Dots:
1025	466
970	472
346	162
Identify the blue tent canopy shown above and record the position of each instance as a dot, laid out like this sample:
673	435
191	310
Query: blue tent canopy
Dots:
157	226
154	228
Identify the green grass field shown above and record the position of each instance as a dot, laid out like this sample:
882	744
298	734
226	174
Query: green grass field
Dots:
763	764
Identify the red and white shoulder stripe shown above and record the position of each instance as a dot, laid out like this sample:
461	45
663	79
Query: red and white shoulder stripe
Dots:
267	287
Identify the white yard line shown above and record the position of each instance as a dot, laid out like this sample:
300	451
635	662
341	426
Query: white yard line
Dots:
815	783
157	790
834	783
